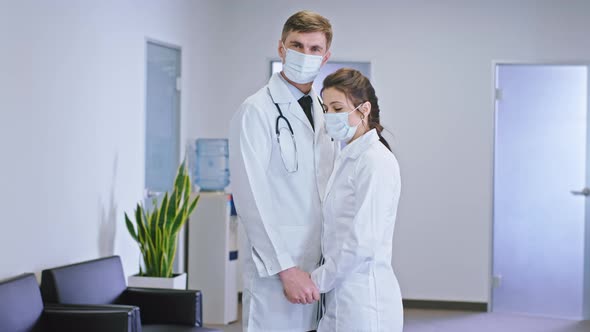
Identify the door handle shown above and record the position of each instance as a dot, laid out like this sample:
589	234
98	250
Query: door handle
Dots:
150	193
583	192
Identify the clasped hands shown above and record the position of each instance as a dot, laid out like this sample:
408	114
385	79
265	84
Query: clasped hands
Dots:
298	286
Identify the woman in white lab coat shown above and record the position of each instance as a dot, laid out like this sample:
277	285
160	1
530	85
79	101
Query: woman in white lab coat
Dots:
360	206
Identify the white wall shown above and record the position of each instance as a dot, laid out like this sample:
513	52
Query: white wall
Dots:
432	69
72	116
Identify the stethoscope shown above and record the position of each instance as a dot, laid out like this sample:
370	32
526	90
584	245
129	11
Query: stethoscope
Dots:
278	132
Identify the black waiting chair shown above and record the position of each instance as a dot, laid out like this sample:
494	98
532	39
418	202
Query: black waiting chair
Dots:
22	310
102	282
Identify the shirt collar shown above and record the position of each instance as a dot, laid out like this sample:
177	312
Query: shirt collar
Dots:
294	91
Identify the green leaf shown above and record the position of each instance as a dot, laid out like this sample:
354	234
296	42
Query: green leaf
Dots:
163	266
172	255
179	179
139	221
172	206
163	211
193	205
178	222
130	228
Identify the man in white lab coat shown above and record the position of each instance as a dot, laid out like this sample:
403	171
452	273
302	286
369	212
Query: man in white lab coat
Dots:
280	162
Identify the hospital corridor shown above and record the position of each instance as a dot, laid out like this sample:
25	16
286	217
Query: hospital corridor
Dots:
295	166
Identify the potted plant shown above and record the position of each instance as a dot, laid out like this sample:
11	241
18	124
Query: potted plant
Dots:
156	233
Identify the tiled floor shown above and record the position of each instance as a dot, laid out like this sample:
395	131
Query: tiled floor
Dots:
418	320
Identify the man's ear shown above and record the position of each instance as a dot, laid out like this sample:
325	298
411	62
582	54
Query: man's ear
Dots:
281	51
326	57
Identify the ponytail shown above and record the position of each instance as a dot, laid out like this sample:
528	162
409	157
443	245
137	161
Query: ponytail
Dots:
375	115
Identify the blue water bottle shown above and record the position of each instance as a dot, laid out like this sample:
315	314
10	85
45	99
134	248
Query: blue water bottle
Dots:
212	164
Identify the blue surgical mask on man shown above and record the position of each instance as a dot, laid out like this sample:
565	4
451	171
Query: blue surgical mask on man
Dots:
338	127
301	68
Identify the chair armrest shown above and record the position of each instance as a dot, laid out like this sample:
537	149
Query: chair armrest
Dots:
165	306
91	318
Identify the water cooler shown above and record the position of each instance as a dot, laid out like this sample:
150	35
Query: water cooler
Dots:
212	244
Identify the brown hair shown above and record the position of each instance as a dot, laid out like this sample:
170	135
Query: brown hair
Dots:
358	89
308	21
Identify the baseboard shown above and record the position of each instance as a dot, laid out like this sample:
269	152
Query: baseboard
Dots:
446	305
440	305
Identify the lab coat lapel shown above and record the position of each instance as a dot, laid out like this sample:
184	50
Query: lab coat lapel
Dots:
297	111
352	151
320	129
337	164
279	91
282	96
318	115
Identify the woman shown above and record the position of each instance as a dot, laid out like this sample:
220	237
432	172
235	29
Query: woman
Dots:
360	206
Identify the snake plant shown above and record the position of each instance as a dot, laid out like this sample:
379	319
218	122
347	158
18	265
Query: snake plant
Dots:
156	230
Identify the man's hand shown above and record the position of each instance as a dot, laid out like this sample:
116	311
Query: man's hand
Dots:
298	286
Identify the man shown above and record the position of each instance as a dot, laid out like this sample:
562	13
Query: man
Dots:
280	162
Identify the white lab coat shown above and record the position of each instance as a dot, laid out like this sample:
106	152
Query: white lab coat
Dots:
362	292
279	211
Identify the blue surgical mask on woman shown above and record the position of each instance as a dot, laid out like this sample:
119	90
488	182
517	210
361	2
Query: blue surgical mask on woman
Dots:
301	68
338	127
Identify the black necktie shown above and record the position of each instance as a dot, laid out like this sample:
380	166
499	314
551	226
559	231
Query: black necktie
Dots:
305	103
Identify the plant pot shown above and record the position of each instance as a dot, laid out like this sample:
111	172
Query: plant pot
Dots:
178	281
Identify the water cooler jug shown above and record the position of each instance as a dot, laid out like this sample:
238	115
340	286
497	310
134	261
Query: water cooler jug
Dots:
212	165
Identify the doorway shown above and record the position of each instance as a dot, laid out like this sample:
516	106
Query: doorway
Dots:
540	170
162	126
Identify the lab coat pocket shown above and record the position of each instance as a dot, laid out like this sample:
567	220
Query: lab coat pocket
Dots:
284	160
259	263
287	149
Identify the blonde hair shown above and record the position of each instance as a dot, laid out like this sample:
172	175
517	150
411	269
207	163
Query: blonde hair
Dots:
308	21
